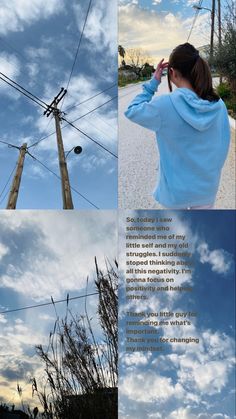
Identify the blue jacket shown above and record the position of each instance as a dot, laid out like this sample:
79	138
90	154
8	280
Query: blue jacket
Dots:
193	138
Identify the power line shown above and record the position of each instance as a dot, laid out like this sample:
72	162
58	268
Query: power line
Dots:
8	180
49	303
24	56
27	91
29	97
9	144
195	18
5	195
97	116
42	139
78	47
104	121
98	128
12	47
39	141
59	178
52	133
92	97
93	110
90	138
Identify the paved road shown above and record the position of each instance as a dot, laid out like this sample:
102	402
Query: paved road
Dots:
138	161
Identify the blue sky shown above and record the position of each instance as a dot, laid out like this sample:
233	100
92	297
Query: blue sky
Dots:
37	48
35	264
187	381
162	25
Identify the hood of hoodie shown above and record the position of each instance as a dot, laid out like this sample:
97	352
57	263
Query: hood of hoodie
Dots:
197	112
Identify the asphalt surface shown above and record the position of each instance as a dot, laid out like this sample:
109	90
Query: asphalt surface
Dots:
138	161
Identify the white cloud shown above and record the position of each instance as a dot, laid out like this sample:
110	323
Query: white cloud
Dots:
159	33
67	250
100	125
3	250
135	359
15	364
101	27
205	368
38	53
3	320
14	16
9	65
219	259
187	413
149	387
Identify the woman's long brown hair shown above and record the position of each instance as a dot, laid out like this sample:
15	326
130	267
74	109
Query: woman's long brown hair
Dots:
186	59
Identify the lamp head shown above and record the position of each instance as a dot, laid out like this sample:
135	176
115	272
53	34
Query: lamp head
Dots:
78	149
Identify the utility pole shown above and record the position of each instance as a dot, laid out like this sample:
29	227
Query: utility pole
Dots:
219	22
12	200
212	29
219	28
65	183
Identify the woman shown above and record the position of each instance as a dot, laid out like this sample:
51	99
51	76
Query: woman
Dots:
192	130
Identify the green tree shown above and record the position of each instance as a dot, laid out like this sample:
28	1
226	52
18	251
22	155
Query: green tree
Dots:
122	53
225	54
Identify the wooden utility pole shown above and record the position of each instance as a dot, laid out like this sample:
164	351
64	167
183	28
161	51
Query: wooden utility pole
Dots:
65	183
212	29
12	200
219	22
219	28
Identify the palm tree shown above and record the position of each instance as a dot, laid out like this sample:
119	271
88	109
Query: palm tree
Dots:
121	51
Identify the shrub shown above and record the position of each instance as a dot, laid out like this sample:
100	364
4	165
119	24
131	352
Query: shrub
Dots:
223	90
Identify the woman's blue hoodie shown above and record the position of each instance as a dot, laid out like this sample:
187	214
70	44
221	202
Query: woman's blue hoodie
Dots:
193	138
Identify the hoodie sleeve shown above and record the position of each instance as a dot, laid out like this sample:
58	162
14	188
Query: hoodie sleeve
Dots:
144	110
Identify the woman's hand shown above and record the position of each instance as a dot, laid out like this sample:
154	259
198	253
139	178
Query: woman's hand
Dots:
159	70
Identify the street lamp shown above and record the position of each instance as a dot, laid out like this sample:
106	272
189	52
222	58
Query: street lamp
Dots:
195	6
77	150
212	24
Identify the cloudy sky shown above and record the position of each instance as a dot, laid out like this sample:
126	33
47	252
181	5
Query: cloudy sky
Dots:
38	43
35	264
187	381
157	26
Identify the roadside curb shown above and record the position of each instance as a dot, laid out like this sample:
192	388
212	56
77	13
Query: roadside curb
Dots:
130	84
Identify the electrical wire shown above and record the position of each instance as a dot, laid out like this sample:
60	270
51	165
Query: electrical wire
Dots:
27	91
29	97
78	47
52	133
9	144
195	19
104	121
8	180
92	97
90	138
39	141
93	110
12	47
98	128
59	178
24	56
42	139
7	192
49	303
